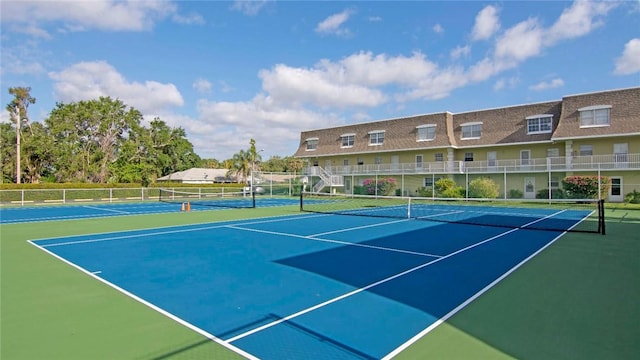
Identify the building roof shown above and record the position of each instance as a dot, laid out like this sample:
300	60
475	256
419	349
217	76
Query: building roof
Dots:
499	126
198	174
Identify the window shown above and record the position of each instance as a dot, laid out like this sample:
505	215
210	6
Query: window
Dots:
376	137
586	150
593	116
378	160
345	162
468	156
360	161
312	144
430	181
471	131
553	152
539	124
426	132
418	161
555	182
347	140
439	157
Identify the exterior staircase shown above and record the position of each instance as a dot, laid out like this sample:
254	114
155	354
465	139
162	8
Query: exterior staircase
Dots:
326	178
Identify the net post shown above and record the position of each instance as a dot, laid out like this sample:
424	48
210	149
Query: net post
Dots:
409	209
301	192
601	226
253	199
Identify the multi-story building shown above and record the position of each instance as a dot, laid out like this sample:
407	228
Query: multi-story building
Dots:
523	148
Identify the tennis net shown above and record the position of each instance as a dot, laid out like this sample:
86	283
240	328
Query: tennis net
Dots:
240	199
583	215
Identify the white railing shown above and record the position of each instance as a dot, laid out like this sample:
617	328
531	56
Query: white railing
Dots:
564	163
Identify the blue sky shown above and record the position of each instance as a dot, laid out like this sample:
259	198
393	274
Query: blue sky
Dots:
228	71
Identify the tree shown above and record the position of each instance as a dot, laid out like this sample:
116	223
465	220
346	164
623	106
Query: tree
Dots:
19	115
38	154
239	166
7	151
88	136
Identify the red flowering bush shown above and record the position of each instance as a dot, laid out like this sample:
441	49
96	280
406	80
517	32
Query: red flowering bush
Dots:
379	187
585	187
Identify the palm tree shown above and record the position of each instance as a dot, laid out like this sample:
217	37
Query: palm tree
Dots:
240	166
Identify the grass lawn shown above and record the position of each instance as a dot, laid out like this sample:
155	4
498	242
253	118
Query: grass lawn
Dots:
578	299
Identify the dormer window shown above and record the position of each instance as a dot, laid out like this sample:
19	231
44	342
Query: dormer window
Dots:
426	132
471	130
595	116
539	124
312	144
376	137
347	140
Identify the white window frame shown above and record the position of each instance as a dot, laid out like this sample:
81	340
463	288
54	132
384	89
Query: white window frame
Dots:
595	116
473	129
585	150
541	124
312	144
426	132
347	140
376	138
468	156
438	155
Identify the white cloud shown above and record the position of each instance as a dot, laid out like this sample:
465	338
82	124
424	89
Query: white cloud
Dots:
110	15
202	85
190	19
250	8
460	51
546	85
581	18
20	61
317	87
503	83
629	61
223	128
333	24
520	42
90	80
487	23
438	29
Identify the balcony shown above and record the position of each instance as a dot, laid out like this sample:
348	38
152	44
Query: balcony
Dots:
555	164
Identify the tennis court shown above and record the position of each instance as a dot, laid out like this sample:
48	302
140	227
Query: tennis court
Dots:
320	286
198	202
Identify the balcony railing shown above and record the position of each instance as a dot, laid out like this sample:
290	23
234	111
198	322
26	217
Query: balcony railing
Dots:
564	163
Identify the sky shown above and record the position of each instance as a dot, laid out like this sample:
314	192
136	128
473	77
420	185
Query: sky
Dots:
230	71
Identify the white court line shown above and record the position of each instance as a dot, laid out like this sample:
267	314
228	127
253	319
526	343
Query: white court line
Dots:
307	237
143	234
103	209
357	291
358	227
152	306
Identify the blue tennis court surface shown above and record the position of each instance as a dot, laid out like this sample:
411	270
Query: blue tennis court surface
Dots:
313	286
72	212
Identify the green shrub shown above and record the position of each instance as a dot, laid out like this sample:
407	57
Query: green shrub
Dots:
585	187
424	191
555	194
456	192
484	188
448	188
632	197
515	194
